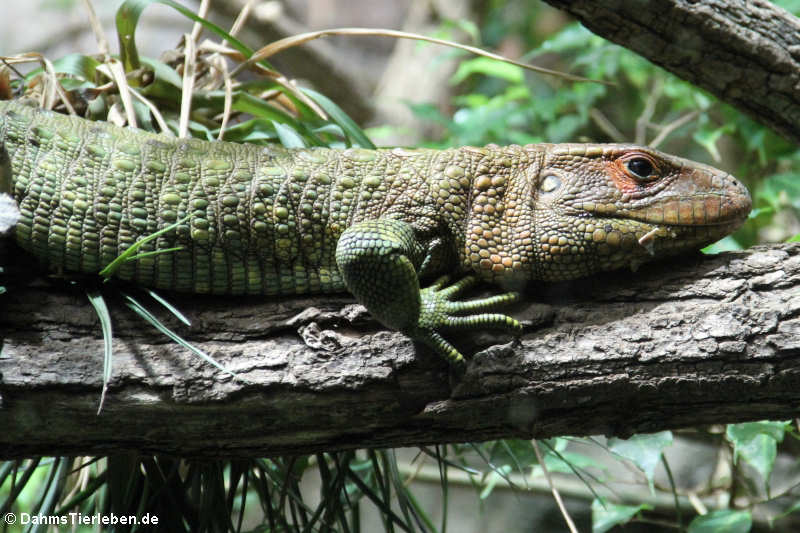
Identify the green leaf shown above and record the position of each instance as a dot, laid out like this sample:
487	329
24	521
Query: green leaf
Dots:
563	128
780	190
128	17
789	510
254	130
488	67
792	6
247	103
707	138
288	136
79	65
163	72
572	37
724	521
758	211
518	453
643	450
726	244
756	443
567	462
796	238
341	118
492	479
606	515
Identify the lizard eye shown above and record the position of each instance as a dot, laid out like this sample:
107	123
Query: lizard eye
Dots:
641	168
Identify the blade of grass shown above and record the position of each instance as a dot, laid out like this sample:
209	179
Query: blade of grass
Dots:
493	467
579	473
91	488
443	479
386	492
172	309
450	464
19	484
404	495
257	107
130	253
50	490
5	470
329	500
149	317
99	304
369	493
559	502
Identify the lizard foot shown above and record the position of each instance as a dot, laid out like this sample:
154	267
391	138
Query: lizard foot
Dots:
439	311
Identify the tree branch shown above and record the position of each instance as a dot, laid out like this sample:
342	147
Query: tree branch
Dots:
747	53
694	341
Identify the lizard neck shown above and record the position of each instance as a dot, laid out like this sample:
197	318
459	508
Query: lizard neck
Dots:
498	243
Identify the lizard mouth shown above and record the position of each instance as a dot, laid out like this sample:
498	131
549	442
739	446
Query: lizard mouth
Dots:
702	211
663	238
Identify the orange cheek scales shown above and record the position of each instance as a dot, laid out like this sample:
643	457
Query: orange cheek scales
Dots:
623	182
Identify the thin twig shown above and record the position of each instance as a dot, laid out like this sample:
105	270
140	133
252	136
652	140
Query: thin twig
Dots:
116	71
672	126
50	85
188	85
602	122
51	71
295	40
553	489
698	505
226	110
162	124
241	19
202	11
97	28
647	113
678	513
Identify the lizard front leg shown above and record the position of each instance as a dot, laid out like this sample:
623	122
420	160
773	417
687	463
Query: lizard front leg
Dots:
380	260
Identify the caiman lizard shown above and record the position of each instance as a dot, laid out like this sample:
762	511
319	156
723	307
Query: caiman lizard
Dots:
270	221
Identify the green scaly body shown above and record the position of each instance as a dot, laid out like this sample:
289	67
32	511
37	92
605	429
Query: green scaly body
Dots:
268	220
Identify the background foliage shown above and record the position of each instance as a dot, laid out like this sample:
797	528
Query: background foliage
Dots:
738	488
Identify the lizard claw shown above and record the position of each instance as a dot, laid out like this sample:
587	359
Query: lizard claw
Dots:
439	311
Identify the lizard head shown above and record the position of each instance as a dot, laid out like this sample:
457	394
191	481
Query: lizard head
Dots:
607	206
563	211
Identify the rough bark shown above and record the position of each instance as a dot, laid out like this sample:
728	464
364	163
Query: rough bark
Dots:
694	341
746	52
